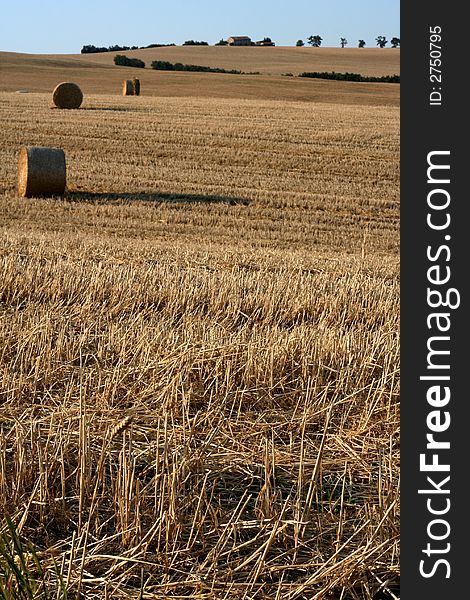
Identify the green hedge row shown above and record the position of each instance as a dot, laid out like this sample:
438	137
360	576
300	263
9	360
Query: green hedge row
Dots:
351	77
125	61
164	65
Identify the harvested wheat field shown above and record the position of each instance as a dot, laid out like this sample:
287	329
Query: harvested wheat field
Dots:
199	346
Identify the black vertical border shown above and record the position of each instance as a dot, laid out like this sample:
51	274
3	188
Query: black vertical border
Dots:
424	129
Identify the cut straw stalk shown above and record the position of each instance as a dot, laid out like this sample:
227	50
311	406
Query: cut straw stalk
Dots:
41	171
67	95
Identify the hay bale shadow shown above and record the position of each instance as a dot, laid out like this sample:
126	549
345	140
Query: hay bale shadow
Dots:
155	197
110	108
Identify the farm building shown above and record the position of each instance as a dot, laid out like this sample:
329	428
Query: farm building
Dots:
239	40
265	42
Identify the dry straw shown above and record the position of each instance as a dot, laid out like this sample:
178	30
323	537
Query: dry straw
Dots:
67	95
128	88
41	171
136	86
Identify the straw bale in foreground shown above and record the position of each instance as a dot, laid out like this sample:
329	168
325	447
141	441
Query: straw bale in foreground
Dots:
41	171
136	86
67	95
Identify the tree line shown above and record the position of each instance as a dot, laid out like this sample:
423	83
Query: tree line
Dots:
315	41
91	49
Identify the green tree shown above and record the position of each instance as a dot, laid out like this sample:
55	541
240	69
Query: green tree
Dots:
395	42
344	41
361	44
221	42
315	41
381	41
299	43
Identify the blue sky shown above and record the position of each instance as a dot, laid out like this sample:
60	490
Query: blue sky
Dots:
45	26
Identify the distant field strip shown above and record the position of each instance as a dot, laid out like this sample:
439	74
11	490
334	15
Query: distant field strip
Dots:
97	73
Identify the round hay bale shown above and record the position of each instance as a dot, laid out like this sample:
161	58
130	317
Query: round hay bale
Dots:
136	86
67	95
41	171
128	88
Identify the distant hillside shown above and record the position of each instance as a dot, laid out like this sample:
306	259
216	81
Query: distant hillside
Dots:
97	73
270	60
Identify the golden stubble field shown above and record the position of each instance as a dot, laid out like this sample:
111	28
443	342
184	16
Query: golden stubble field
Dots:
199	348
